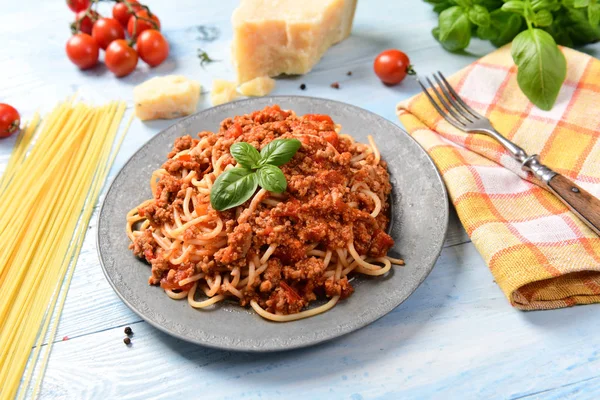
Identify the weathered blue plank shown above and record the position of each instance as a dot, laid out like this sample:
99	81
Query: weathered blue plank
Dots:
456	337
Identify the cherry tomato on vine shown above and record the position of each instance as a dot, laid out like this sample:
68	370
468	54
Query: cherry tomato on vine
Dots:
122	14
9	120
78	5
106	30
152	47
86	23
140	25
391	66
120	58
82	50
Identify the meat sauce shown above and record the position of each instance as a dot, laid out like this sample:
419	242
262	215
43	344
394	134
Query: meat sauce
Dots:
318	206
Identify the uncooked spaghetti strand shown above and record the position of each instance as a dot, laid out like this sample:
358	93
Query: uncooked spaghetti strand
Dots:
88	213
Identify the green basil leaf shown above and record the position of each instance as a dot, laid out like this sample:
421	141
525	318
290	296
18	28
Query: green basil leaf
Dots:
581	3
279	151
516	6
487	32
559	30
232	188
489	4
506	25
245	154
543	18
440	5
594	15
272	179
463	3
575	22
542	66
438	8
454	29
550	5
479	15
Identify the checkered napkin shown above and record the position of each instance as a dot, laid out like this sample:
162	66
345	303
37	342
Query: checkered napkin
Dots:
540	254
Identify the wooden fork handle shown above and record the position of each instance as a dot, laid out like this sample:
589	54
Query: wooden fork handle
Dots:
582	203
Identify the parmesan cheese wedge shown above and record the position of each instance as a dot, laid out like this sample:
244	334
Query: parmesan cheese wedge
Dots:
222	92
166	97
260	86
273	37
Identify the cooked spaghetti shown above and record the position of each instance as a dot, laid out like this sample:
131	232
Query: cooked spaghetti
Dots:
276	252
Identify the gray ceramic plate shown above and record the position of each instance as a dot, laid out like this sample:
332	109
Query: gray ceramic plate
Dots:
420	219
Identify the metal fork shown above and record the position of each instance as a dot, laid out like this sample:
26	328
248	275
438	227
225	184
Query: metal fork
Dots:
461	116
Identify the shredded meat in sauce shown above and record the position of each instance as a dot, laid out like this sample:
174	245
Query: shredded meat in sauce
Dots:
317	207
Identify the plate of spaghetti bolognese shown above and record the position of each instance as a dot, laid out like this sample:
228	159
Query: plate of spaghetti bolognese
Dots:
272	223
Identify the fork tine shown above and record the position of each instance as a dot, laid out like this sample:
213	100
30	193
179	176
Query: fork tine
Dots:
450	120
459	99
442	100
452	101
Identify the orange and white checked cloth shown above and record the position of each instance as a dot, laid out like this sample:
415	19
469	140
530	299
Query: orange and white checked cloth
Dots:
540	254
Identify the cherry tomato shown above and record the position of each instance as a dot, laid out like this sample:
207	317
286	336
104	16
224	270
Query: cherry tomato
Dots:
78	5
82	50
152	47
9	120
120	58
391	66
106	30
142	25
86	23
121	12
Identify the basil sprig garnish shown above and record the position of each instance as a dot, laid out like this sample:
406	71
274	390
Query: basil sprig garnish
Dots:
236	185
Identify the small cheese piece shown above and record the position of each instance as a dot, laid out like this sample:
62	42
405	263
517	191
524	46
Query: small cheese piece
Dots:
260	86
286	36
166	97
222	92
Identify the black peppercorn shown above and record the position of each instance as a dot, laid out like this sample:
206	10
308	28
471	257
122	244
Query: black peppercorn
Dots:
127	341
128	331
302	87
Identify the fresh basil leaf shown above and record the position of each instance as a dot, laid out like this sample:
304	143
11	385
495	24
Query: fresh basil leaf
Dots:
463	3
245	154
489	4
577	25
543	18
279	151
550	5
559	30
454	29
487	32
438	8
581	3
515	6
594	15
440	5
272	179
232	188
506	26
479	15
542	66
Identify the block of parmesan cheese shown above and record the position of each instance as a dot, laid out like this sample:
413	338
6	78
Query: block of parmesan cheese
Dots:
222	92
260	86
166	97
273	37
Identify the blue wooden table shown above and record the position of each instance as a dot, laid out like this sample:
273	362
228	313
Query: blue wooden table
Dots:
456	337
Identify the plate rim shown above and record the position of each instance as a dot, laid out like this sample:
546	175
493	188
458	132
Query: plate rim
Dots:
243	348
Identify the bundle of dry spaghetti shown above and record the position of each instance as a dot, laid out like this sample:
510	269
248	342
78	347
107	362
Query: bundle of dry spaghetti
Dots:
47	195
